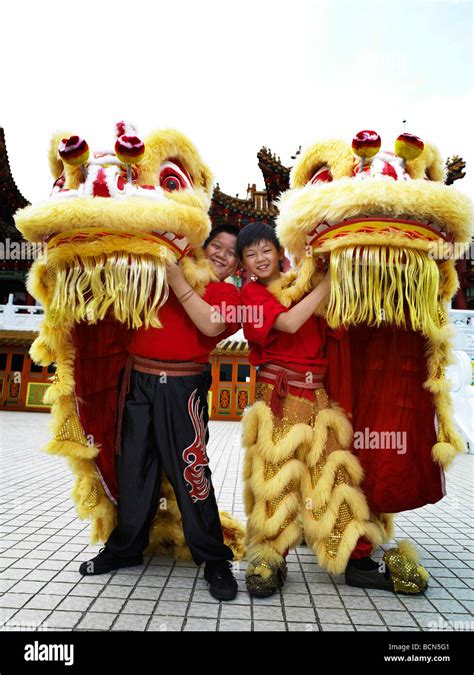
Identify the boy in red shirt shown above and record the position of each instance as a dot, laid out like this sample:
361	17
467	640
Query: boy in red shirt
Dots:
297	441
163	418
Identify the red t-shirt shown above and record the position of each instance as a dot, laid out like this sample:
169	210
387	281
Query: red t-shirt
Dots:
300	351
179	339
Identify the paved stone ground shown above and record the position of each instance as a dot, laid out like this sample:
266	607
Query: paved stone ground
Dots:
43	543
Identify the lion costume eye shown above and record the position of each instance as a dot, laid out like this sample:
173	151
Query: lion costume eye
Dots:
322	175
174	177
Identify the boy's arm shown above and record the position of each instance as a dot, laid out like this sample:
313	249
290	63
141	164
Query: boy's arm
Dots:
292	320
205	317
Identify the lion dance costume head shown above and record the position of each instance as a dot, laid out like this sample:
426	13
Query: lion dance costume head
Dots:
113	221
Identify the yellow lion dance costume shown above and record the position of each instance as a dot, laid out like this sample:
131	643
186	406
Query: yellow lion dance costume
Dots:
390	230
108	230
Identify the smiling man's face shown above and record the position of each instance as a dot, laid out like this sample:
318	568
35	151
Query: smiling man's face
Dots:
222	252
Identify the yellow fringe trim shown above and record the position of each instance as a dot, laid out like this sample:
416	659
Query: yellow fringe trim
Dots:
134	288
74	287
372	285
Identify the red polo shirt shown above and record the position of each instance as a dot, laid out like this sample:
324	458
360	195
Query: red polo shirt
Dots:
300	351
179	339
314	347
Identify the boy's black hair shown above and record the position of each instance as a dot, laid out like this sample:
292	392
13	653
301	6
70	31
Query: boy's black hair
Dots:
254	233
230	229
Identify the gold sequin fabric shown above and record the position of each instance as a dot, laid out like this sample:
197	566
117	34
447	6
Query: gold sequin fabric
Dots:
295	410
404	571
92	499
270	470
71	431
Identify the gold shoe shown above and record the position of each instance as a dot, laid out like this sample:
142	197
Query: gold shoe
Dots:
263	579
407	574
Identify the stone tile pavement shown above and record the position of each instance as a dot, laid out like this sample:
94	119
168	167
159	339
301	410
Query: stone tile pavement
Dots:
43	543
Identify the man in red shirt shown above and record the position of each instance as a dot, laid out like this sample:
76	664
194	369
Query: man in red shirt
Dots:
162	423
297	441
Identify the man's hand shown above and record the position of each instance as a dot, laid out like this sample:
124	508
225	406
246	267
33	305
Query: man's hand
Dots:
325	283
174	273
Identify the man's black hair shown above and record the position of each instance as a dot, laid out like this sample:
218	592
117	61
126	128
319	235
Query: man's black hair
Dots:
254	233
230	229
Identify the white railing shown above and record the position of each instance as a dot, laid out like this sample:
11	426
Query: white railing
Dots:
460	374
20	317
463	320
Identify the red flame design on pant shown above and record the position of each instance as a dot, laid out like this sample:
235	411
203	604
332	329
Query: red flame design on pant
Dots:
195	454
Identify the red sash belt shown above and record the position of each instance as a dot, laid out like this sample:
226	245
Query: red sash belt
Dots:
282	378
152	367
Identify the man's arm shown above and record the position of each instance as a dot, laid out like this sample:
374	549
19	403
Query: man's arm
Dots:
205	317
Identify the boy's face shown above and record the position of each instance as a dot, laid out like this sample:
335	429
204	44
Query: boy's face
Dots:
261	259
222	252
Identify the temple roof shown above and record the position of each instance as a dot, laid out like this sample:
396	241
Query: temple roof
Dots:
259	205
244	206
11	198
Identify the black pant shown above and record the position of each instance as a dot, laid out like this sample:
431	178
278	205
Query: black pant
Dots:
164	428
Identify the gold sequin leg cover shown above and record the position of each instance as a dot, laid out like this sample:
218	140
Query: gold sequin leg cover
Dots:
304	460
272	476
335	511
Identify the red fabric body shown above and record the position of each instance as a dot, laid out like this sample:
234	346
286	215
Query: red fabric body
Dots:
101	352
388	371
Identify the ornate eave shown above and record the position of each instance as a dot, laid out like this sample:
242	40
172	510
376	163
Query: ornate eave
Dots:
275	174
231	348
11	198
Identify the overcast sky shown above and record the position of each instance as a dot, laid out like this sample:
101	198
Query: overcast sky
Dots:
234	76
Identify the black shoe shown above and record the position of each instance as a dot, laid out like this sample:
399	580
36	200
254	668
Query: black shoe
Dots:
222	583
356	576
105	561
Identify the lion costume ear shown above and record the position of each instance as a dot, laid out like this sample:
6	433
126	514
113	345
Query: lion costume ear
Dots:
334	154
428	165
57	166
167	144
